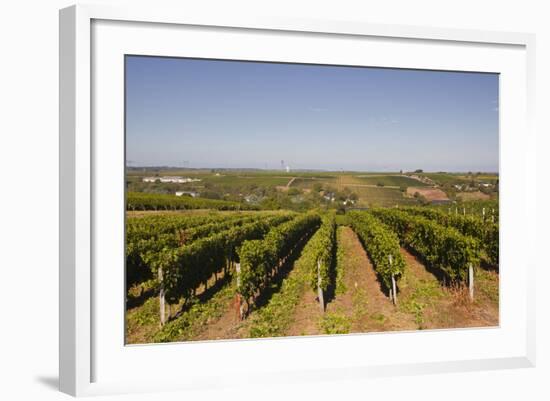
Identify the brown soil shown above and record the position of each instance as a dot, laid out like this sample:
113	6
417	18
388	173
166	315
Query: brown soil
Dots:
306	317
477	195
226	327
431	194
140	332
149	312
363	302
436	307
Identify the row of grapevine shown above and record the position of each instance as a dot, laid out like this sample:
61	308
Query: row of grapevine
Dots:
148	201
382	246
194	233
473	207
259	259
138	252
485	232
321	254
274	319
443	248
140	228
183	269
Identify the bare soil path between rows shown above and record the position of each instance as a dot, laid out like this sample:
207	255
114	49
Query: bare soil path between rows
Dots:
225	327
363	302
306	317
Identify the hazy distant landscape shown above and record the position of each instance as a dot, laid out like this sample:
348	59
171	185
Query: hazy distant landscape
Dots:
302	190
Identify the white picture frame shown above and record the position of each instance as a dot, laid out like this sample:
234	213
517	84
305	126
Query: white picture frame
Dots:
92	38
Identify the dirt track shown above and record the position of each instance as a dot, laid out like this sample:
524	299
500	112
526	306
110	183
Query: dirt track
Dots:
363	302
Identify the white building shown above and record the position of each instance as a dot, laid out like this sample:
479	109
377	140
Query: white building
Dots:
329	196
191	193
170	179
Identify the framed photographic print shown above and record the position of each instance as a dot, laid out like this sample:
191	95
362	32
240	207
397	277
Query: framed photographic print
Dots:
274	199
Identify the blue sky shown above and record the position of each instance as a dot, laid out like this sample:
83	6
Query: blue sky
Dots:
234	114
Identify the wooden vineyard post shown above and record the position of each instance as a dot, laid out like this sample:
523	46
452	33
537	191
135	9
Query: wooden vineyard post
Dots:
464	211
393	290
456	210
394	286
471	281
319	289
483	211
238	300
162	299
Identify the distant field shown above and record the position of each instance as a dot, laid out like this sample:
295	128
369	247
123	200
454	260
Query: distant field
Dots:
442	178
380	196
431	194
244	180
366	188
390	180
472	196
309	182
448	178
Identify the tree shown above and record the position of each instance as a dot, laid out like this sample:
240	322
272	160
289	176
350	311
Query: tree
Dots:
270	204
294	191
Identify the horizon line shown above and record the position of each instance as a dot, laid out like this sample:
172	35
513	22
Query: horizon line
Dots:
312	169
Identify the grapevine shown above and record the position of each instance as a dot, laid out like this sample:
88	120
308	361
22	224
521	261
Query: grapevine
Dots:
443	248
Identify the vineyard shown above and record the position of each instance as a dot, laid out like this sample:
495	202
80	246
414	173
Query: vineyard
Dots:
313	200
246	273
145	201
